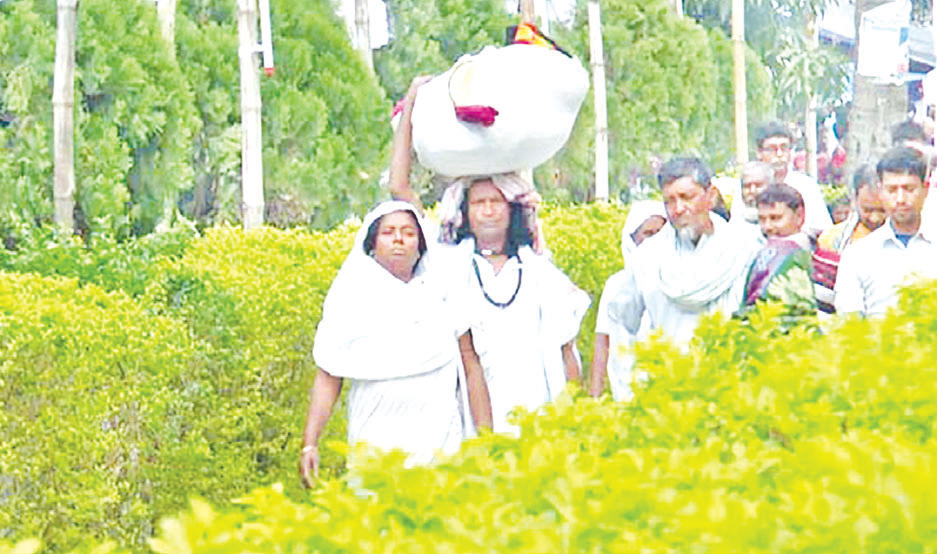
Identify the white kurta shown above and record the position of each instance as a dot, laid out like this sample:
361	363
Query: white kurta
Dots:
675	283
518	345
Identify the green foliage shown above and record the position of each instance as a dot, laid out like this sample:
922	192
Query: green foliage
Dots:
157	125
669	87
128	266
752	441
117	408
586	244
326	124
429	36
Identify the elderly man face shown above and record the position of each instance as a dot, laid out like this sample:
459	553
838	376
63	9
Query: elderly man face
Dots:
688	204
753	182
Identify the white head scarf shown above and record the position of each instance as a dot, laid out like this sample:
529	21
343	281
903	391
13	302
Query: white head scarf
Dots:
375	326
638	213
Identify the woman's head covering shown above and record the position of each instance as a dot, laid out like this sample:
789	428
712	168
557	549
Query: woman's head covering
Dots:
380	211
515	189
375	326
638	213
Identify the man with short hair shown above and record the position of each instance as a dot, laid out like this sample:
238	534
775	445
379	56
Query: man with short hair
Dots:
695	265
774	148
872	269
781	269
867	214
756	177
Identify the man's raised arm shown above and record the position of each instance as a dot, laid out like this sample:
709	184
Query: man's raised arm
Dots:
400	188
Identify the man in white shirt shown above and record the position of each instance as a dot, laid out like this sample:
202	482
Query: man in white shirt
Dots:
756	177
871	270
774	148
696	264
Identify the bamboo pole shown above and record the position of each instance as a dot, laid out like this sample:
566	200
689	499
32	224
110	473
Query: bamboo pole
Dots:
363	32
63	114
738	81
252	170
597	56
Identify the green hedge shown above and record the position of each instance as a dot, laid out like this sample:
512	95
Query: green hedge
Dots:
188	377
750	442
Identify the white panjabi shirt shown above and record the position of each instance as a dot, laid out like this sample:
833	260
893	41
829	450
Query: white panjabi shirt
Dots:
872	269
675	282
531	310
620	361
397	343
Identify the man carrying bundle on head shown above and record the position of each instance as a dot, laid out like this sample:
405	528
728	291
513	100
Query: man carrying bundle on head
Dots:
520	314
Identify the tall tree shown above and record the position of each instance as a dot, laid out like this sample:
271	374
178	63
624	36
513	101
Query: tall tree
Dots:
167	22
63	107
875	108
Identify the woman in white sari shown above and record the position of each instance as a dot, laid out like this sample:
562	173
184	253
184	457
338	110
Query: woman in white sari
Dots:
385	327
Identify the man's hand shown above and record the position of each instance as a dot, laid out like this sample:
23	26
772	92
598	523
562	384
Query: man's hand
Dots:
309	465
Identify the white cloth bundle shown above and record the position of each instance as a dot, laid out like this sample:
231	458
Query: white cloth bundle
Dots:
535	91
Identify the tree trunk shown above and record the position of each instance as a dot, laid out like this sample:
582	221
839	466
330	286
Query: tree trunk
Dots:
363	32
166	9
252	169
597	56
63	114
738	81
875	109
810	113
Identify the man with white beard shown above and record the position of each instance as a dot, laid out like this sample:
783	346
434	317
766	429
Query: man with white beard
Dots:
696	264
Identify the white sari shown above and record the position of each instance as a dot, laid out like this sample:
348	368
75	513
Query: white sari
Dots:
397	344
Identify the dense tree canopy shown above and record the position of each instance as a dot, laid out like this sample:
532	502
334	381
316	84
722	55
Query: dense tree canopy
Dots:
157	135
669	92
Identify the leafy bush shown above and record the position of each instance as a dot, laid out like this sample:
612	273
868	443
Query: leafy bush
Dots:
117	408
751	441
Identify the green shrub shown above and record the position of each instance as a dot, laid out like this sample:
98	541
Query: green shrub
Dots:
127	265
751	441
586	243
92	423
118	406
